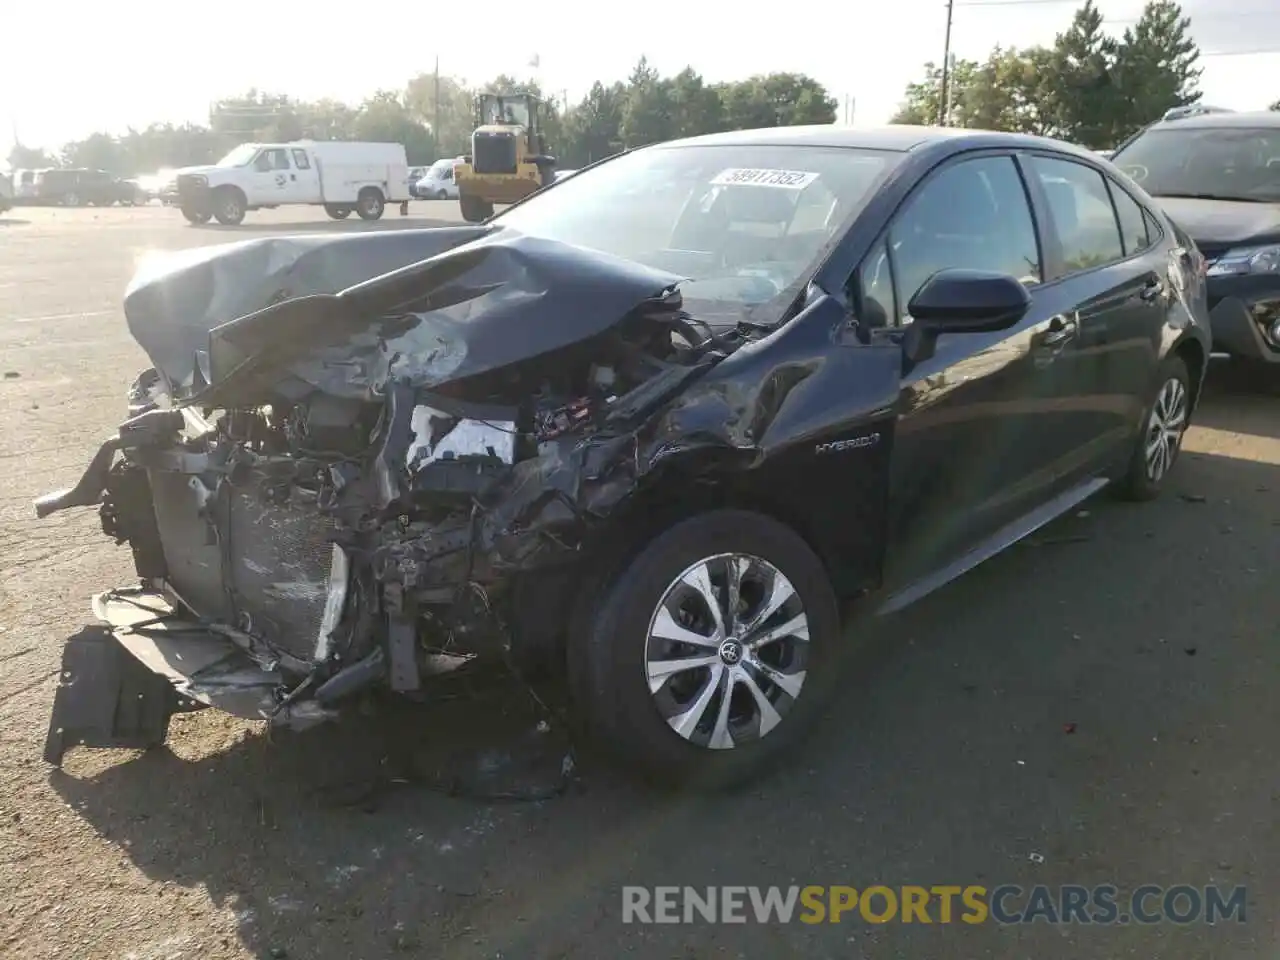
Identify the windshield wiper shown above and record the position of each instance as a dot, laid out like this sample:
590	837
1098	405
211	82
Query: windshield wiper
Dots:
1212	196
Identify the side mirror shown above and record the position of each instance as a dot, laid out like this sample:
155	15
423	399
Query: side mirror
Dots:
962	301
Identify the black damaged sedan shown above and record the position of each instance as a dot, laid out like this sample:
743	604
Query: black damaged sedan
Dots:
648	427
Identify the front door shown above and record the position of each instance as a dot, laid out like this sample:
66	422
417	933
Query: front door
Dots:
269	181
977	430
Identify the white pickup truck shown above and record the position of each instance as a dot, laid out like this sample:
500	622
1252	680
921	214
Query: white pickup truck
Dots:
339	175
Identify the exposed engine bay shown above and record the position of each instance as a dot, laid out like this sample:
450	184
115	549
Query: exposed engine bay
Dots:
342	499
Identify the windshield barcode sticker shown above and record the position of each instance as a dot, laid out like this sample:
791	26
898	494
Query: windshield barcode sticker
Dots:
785	179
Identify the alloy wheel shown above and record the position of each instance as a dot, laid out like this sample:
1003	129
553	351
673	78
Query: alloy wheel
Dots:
1165	427
727	650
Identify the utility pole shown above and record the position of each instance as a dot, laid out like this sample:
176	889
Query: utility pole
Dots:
944	104
435	117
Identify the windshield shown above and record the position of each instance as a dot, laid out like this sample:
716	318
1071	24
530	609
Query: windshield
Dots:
504	110
746	224
1228	163
239	156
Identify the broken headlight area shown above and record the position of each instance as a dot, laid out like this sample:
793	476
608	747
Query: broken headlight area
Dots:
302	550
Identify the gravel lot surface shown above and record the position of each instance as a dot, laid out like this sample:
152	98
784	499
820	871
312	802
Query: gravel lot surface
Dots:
1100	705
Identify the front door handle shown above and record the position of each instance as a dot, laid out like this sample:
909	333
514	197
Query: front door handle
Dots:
1061	329
1153	289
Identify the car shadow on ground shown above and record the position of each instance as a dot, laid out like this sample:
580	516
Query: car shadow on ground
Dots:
351	225
1077	710
13	222
1252	396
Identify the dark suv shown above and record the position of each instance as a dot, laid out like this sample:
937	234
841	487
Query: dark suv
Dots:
1217	175
77	186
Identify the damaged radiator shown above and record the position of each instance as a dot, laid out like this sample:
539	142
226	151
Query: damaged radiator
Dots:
274	587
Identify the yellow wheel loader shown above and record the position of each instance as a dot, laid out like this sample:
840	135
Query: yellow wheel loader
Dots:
508	158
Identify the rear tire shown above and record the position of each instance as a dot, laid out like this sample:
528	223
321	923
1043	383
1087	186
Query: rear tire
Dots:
337	211
370	204
683	733
1163	425
474	209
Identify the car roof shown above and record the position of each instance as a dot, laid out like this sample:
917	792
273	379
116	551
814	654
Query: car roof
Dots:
900	138
1218	121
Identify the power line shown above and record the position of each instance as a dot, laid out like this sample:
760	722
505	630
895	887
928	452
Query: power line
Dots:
1010	3
1240	53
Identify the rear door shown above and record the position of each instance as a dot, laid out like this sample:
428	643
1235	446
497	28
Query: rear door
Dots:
303	185
1107	285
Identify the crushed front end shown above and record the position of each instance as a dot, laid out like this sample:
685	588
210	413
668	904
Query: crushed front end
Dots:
346	491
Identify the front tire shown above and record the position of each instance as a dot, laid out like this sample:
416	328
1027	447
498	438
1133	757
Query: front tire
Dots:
370	205
710	653
1160	440
228	206
474	209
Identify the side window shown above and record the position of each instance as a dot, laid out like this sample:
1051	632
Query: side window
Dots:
1082	212
1154	232
1133	221
877	306
973	215
301	159
262	162
447	176
280	159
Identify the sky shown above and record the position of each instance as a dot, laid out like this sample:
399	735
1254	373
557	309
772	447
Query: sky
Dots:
134	62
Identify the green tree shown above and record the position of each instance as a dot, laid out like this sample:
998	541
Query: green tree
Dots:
922	102
776	100
98	151
1155	68
697	107
1081	99
385	118
1008	92
30	158
593	129
1275	106
649	113
456	103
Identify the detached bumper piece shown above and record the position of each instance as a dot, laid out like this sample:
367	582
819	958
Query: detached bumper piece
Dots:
121	683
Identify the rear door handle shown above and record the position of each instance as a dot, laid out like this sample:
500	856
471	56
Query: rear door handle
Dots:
1152	289
1061	329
